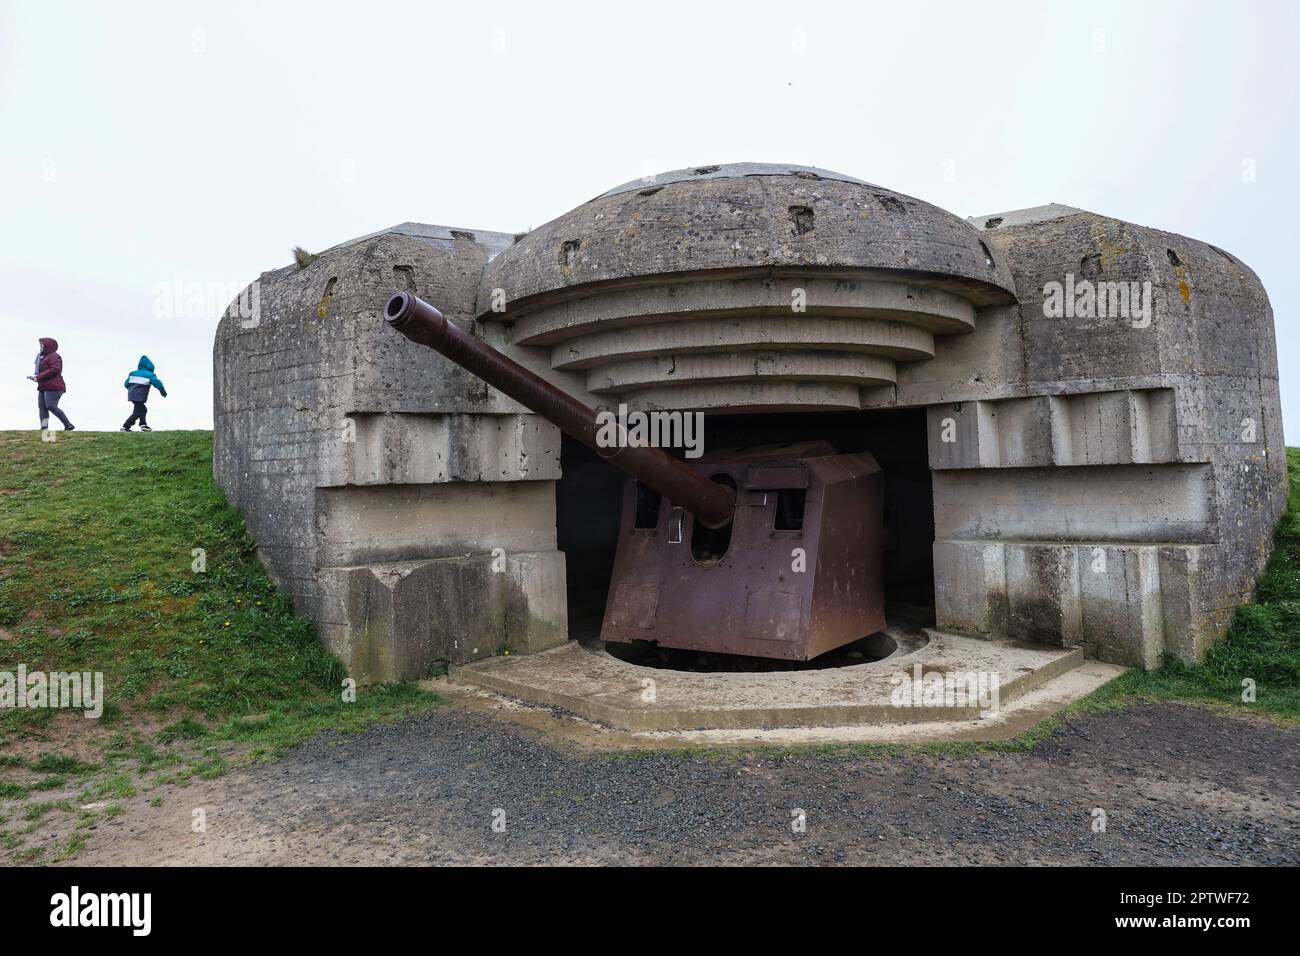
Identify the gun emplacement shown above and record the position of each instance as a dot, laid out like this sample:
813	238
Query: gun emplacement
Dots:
710	502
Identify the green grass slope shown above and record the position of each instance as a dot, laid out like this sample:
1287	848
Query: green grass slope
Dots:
98	539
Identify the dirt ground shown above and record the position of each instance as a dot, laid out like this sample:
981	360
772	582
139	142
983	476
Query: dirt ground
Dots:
1177	784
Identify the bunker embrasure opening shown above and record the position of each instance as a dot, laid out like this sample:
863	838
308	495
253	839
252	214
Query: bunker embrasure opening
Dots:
777	487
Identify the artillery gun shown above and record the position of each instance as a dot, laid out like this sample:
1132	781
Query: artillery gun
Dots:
768	551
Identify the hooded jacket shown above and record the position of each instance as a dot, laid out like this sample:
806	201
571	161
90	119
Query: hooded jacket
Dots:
137	383
49	370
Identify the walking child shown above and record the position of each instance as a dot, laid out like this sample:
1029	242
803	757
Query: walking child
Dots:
138	384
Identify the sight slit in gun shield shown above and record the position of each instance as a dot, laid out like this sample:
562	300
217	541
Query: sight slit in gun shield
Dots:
712	503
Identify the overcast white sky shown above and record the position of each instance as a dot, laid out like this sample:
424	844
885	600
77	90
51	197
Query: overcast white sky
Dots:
187	146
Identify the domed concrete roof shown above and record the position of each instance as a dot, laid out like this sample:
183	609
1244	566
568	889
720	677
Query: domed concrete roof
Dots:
747	216
748	286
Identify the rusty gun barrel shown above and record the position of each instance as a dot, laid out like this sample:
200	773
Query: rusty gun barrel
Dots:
710	502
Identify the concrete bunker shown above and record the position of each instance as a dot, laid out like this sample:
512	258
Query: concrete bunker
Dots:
1077	418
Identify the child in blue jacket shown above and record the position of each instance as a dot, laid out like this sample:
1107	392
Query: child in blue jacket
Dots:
137	393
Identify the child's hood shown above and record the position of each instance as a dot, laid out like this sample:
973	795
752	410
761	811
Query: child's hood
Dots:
49	346
145	363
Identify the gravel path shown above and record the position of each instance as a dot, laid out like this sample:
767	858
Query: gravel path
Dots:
1178	784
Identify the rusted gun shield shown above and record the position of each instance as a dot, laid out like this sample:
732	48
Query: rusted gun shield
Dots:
798	572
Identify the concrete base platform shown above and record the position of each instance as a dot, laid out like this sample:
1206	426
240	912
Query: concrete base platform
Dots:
935	683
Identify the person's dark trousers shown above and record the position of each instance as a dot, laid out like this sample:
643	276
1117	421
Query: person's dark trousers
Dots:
137	415
48	403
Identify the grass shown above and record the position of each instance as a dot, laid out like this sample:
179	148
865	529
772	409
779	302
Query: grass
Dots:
119	555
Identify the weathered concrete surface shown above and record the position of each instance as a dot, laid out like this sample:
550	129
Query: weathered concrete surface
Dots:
739	217
1108	479
802	287
1143	450
378	478
454	609
587	681
1014	717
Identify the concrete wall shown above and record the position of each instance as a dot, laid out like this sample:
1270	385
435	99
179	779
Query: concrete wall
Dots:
1111	480
376	477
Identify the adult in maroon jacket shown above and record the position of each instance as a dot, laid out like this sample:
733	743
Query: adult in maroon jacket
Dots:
49	384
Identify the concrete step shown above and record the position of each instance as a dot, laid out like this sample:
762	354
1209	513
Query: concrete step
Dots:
959	679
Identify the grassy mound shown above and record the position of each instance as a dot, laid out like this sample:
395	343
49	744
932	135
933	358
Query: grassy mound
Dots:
119	555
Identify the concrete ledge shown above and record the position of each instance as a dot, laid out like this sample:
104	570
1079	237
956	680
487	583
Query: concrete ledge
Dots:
1012	719
588	682
401	618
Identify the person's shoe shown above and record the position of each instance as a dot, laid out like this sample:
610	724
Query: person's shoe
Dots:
69	428
125	428
145	428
